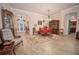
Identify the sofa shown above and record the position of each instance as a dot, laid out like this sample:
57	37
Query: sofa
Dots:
44	30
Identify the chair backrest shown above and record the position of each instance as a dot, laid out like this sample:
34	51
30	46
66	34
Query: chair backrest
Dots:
7	34
0	40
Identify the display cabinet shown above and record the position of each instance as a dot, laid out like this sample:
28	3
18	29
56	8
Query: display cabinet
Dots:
54	26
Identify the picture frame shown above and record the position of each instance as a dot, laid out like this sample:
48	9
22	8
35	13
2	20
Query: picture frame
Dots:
39	22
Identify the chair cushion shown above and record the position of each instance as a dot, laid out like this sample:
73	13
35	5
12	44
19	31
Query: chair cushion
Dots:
17	41
7	34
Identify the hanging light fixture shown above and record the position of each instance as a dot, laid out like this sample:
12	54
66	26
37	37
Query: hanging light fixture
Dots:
48	17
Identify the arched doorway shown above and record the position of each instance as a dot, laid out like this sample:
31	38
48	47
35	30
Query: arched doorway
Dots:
21	25
70	23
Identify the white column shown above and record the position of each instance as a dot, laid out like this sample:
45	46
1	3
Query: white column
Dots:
77	29
0	19
31	26
66	27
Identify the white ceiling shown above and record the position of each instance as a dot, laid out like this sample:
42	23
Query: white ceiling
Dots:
43	8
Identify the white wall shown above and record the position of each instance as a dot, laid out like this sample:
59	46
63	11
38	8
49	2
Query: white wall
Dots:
63	23
34	17
58	16
71	10
30	16
77	30
5	6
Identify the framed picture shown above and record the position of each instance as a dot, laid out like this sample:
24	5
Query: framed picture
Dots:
39	22
35	25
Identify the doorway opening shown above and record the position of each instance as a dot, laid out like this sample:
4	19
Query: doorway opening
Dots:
72	27
21	25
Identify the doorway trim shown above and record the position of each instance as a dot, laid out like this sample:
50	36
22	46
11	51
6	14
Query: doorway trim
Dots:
67	17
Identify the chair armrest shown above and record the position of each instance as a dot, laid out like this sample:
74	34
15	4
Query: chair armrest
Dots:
17	36
8	43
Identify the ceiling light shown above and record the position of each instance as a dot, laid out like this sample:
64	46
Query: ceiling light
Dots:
48	17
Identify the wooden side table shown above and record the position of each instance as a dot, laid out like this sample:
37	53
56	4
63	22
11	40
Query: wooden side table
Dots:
61	31
77	35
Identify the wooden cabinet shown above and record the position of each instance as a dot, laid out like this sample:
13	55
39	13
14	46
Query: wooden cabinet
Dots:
7	19
54	26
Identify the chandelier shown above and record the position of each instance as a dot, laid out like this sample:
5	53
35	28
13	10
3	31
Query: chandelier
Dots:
48	17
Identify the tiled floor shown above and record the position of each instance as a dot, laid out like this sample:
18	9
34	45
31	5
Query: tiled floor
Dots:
54	44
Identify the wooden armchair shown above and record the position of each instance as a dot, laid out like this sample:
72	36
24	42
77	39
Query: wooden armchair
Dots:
6	35
6	48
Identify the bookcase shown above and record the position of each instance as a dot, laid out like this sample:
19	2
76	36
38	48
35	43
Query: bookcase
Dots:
54	26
